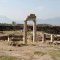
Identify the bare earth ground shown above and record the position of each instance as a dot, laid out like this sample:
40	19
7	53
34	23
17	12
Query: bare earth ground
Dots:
37	51
30	52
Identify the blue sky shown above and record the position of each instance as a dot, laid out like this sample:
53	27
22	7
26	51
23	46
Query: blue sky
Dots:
19	9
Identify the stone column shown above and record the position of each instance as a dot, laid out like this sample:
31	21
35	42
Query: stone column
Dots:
52	38
34	31
8	38
25	33
43	37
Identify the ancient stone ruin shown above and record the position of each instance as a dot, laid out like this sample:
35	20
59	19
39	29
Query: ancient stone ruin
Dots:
31	17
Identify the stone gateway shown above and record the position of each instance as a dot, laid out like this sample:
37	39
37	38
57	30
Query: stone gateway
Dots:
31	17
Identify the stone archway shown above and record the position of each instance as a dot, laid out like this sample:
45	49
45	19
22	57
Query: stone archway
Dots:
31	17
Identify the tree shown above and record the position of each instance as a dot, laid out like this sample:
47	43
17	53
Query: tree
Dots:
13	23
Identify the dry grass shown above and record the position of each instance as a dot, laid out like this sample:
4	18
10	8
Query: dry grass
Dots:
39	53
55	54
27	52
7	58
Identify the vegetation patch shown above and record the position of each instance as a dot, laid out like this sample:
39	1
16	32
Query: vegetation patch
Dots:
33	44
39	53
23	44
55	54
